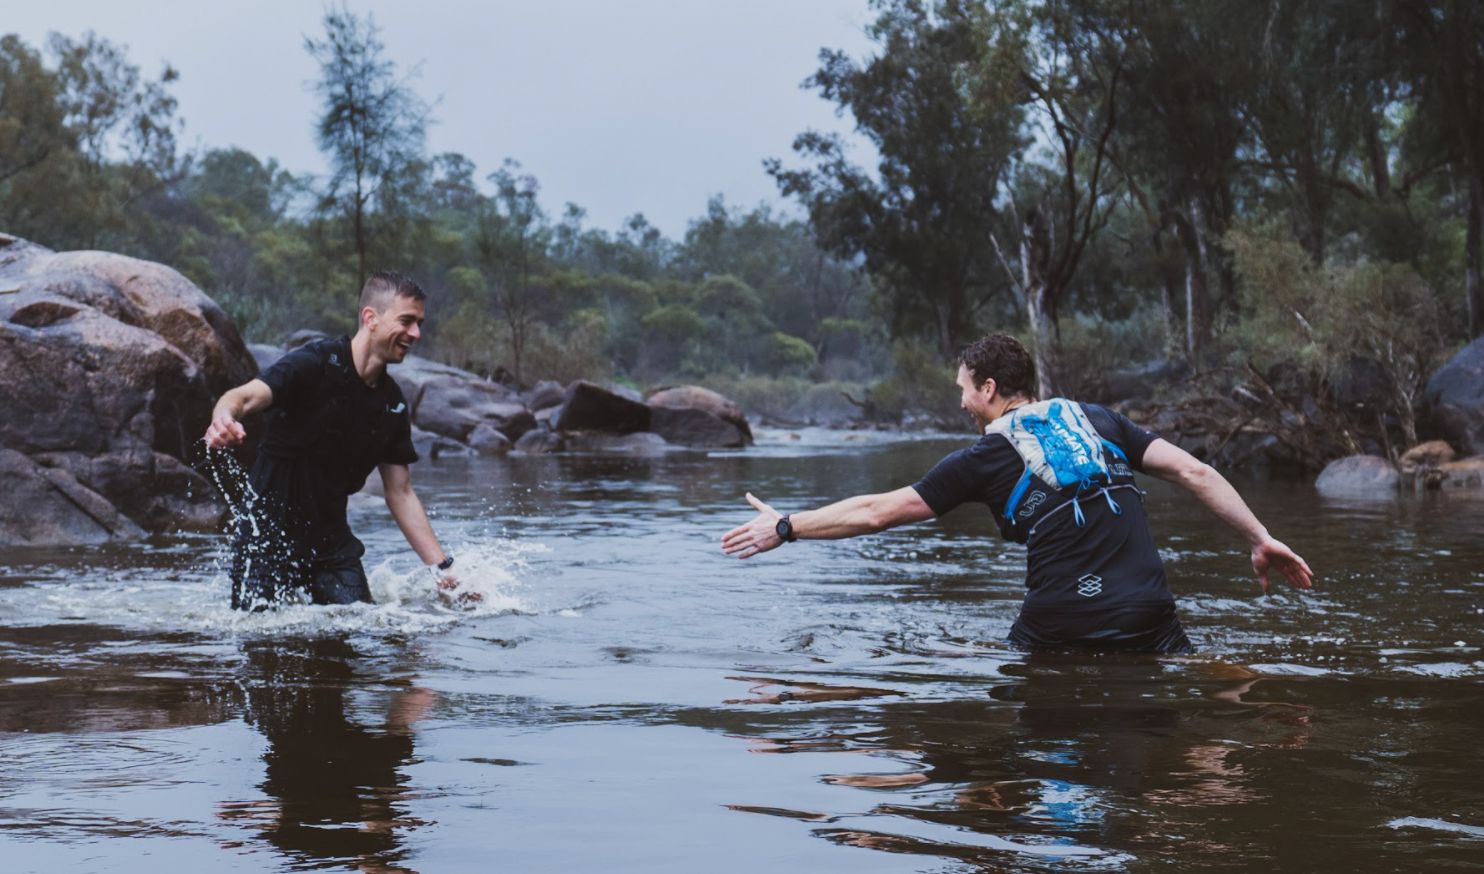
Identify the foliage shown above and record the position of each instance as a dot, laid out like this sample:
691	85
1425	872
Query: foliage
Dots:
1284	201
1378	325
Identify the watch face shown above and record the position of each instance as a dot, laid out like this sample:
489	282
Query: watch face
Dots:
785	529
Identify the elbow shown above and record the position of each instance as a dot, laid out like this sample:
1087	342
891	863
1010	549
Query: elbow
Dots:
1197	475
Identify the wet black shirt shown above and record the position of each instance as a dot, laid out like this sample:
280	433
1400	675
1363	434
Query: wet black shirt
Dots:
327	430
1109	561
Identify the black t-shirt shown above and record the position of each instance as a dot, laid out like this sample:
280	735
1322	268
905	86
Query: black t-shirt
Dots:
327	430
1110	560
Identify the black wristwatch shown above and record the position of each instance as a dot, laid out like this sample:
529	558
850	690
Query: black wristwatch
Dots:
785	529
446	563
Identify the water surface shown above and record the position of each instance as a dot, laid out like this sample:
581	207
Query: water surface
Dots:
629	699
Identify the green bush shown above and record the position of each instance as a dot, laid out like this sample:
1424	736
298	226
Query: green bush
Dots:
785	353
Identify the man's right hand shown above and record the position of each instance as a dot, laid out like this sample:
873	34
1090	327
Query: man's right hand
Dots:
224	431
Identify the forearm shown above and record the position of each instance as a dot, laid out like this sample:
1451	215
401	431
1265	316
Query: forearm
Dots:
413	520
1221	498
862	514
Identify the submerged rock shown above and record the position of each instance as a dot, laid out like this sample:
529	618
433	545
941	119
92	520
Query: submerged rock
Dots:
1359	476
1466	473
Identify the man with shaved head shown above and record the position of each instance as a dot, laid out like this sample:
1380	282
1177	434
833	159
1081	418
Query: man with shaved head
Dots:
333	414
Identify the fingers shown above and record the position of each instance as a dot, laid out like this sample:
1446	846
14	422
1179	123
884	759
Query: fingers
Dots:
759	505
224	432
748	540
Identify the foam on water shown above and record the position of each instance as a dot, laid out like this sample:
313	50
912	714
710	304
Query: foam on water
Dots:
196	599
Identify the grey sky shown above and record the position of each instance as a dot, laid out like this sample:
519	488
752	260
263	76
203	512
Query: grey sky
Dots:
625	106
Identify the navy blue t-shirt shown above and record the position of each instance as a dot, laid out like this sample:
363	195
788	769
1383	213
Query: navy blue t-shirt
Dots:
1108	561
327	430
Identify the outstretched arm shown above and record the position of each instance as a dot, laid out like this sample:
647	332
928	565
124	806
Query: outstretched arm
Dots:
862	514
1169	462
226	426
396	482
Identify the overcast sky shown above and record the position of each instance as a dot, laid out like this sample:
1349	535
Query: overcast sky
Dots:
623	106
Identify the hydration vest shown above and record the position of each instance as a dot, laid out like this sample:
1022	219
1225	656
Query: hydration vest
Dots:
1062	449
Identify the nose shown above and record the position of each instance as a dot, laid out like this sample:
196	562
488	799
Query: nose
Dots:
415	332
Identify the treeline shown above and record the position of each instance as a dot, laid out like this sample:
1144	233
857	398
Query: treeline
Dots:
1281	199
90	157
1270	200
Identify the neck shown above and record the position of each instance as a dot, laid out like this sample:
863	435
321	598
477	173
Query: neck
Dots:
1005	405
368	366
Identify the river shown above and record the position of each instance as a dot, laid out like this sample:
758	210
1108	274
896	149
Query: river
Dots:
627	698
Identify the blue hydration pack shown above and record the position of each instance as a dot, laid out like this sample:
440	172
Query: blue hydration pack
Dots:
1060	447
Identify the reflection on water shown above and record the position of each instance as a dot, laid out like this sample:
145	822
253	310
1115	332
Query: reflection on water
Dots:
631	700
334	786
1068	756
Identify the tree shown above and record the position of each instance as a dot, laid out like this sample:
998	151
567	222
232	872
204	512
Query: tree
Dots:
512	239
1070	80
938	103
371	127
82	142
1446	44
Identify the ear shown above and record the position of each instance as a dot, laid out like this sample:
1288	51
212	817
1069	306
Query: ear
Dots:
368	317
989	388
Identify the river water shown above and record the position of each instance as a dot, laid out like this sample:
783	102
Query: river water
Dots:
629	699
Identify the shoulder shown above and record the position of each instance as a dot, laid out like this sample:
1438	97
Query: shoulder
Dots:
1119	429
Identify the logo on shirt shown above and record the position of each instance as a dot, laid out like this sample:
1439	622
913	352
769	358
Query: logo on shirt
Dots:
398	408
1089	585
1032	501
1118	468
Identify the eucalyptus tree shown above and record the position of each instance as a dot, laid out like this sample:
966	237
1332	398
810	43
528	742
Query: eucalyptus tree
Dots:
371	127
1445	40
1069	82
940	102
511	239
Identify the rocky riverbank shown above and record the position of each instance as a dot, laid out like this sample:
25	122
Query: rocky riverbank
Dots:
110	367
458	412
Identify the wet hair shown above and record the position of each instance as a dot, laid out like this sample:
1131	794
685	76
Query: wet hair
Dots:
383	285
1003	359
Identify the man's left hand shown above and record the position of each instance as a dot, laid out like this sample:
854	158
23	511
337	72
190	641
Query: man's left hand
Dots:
1271	555
759	535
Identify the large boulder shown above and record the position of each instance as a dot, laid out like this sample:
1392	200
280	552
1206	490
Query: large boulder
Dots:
108	357
545	395
696	416
48	507
696	428
1359	476
1455	398
1425	456
454	407
589	407
415	373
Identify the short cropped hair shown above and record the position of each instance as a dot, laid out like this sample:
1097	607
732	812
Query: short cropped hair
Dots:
1005	360
383	285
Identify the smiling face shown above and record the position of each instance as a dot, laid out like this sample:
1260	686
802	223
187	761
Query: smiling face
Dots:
977	401
394	330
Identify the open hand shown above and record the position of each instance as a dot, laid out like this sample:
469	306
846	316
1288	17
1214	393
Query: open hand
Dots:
759	535
1271	555
448	590
224	431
